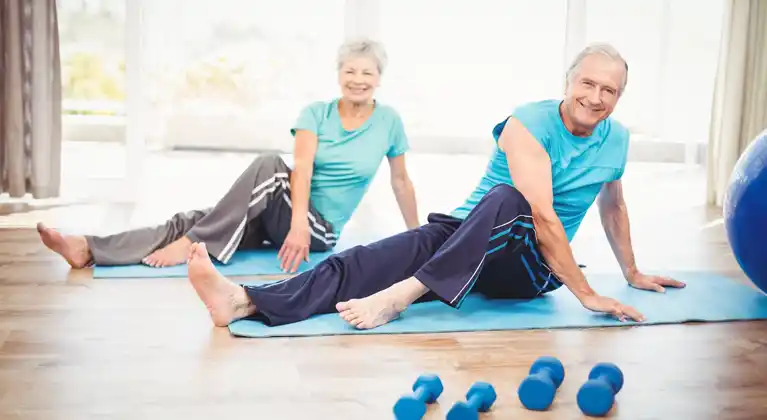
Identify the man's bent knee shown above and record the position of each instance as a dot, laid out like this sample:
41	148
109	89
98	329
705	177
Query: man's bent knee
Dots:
506	192
508	196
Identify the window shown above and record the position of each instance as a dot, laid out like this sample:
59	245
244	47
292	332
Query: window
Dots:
92	39
458	68
671	47
236	73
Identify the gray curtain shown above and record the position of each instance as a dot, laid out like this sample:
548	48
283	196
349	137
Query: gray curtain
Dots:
740	98
30	90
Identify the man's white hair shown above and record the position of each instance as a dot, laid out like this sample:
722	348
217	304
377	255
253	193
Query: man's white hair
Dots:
363	48
606	50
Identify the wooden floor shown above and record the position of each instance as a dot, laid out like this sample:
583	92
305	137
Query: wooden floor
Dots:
72	347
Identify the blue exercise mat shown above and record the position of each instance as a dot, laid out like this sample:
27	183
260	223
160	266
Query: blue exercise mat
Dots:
242	263
707	298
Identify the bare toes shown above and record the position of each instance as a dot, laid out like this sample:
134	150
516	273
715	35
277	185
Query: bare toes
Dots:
344	306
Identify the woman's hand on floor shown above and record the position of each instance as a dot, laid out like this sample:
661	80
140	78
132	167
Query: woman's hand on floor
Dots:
295	249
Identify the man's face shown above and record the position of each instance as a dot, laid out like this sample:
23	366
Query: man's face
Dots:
594	91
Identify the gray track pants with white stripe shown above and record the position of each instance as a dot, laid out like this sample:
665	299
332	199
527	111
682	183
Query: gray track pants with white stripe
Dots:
255	212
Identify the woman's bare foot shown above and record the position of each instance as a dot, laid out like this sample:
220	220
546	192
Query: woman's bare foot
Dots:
74	249
382	307
175	253
225	300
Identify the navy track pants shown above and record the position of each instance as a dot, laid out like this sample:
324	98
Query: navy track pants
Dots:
492	251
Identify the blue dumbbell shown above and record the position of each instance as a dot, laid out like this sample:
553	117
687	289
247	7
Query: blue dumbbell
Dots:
426	389
480	398
597	395
537	391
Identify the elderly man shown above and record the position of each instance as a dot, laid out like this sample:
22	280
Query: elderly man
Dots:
510	239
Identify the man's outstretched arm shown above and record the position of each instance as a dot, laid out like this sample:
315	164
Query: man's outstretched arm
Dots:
530	169
615	221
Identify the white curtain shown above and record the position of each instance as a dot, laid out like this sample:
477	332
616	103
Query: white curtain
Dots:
739	110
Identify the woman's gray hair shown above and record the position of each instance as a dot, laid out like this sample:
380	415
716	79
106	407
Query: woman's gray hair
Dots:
606	50
363	48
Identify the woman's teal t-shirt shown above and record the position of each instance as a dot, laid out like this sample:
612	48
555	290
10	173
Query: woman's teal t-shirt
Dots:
346	161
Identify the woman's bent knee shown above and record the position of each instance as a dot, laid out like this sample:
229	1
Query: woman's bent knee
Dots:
272	161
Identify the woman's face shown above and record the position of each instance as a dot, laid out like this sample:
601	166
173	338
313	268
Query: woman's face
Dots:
359	78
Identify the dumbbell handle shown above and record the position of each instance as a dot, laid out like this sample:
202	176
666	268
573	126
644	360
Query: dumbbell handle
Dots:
421	393
604	378
475	401
546	373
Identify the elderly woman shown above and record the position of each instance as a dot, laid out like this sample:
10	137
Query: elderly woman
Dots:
339	146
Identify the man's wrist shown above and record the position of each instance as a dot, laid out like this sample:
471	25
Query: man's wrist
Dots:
630	273
584	293
581	289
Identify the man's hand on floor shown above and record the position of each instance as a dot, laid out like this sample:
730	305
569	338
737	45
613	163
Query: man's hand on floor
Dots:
611	306
654	283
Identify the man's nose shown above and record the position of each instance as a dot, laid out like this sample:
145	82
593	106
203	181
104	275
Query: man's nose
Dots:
594	97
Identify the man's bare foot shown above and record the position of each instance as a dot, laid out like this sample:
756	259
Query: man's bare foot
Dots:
382	307
172	254
225	300
74	249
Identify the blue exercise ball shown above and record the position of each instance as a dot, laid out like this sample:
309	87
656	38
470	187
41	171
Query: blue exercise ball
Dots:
745	211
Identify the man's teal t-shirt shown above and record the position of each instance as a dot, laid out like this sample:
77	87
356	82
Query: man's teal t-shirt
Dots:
579	165
347	161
